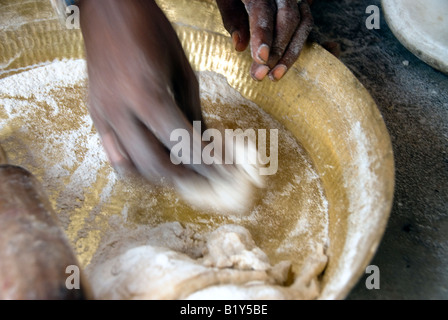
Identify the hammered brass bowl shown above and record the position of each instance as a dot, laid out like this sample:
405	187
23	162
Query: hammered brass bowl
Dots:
319	101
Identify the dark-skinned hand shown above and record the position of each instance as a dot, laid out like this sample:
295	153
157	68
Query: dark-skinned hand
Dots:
275	30
142	87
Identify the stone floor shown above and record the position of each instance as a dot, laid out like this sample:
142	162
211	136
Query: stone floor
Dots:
413	99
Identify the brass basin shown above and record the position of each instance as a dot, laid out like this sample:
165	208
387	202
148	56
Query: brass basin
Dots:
319	101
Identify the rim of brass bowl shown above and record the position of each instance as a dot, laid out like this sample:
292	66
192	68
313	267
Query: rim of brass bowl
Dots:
319	101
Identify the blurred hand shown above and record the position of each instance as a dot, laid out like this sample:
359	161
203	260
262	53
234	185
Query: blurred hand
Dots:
275	29
141	85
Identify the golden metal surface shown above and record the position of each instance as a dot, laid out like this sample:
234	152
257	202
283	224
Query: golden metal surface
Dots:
319	101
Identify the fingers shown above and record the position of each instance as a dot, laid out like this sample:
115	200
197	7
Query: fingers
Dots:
296	45
259	71
287	22
279	30
150	157
261	21
186	92
236	22
161	115
125	137
115	152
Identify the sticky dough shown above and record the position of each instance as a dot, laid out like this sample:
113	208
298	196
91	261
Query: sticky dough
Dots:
229	189
230	266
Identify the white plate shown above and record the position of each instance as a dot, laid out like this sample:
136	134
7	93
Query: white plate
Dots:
422	27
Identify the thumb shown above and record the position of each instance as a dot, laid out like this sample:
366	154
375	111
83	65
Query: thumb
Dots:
236	22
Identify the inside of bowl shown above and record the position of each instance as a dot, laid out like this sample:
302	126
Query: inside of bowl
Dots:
319	101
334	117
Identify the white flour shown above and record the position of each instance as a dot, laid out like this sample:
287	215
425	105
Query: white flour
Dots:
53	154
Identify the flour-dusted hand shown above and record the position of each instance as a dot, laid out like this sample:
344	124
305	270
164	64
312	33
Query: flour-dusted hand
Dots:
275	29
142	89
141	85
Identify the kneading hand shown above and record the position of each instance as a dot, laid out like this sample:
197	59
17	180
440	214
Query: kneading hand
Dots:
141	89
141	85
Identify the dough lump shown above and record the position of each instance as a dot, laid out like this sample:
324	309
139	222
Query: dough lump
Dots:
229	266
226	190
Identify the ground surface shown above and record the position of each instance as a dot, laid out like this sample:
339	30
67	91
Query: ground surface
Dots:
413	99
